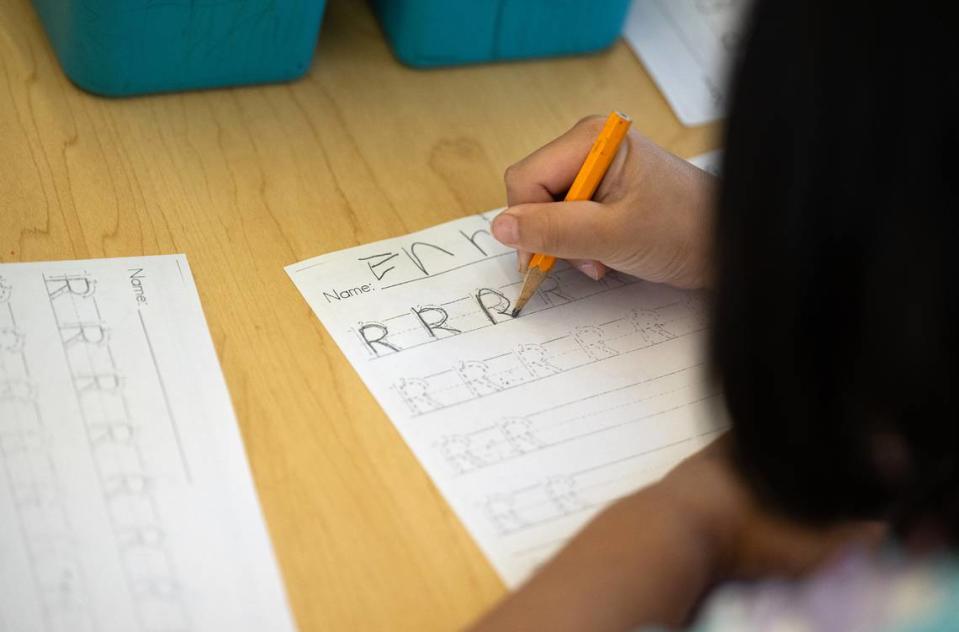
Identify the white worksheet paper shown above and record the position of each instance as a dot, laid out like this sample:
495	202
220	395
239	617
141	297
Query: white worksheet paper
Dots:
711	161
528	426
687	47
126	502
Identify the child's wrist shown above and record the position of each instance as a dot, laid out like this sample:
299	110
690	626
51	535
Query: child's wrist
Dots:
681	542
703	534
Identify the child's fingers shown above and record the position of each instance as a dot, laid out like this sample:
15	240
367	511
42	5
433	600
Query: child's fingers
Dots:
522	260
547	173
570	230
590	267
543	176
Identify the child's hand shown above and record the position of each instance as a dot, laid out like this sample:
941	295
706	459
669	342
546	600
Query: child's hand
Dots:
650	217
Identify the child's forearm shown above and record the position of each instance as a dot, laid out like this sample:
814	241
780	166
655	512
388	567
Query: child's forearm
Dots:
649	558
638	563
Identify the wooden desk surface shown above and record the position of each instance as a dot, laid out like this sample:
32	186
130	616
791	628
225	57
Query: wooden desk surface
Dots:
246	181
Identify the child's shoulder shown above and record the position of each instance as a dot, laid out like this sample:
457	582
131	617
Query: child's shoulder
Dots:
885	592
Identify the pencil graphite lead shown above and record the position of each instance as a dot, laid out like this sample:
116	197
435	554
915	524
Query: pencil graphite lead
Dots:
534	276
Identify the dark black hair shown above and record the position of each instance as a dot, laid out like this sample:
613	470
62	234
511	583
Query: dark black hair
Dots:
836	314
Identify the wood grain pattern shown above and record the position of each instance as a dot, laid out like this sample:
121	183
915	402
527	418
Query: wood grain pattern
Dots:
248	180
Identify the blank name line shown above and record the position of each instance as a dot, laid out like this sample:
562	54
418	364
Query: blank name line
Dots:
166	401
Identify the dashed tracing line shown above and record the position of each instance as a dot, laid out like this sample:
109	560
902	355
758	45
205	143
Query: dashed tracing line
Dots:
537	378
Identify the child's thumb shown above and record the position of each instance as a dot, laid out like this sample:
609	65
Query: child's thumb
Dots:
562	229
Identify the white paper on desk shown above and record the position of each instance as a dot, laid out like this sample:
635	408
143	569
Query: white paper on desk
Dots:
711	161
125	495
687	46
528	426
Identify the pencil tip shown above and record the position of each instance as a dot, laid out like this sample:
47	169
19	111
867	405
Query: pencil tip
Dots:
515	313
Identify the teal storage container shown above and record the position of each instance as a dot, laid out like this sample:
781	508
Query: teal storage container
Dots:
127	47
427	33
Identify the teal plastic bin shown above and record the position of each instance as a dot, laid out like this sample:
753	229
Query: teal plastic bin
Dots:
127	47
425	33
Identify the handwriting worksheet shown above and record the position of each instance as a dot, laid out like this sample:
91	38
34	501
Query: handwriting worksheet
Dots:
527	425
687	46
126	502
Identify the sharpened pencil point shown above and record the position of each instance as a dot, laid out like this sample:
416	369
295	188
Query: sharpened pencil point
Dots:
534	276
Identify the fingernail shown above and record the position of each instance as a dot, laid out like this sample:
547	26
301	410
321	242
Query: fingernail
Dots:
506	229
589	269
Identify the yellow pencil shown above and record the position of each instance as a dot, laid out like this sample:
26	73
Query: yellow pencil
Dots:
584	186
